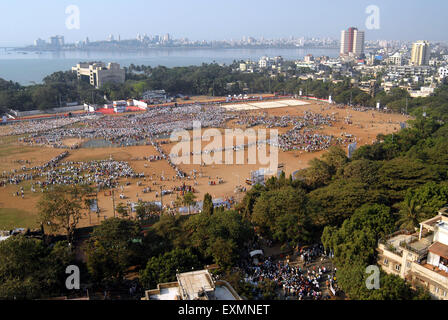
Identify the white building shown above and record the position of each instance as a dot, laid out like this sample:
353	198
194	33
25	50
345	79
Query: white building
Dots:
196	285
420	258
396	59
422	93
443	72
99	74
264	62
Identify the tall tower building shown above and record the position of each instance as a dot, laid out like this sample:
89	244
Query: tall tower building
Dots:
352	42
420	53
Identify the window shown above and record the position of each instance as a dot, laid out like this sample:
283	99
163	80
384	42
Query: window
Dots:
397	267
386	262
444	293
437	290
408	264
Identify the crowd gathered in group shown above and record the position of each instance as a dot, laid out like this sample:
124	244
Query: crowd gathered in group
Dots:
102	174
290	281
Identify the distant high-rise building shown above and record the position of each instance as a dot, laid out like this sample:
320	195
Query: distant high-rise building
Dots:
166	38
57	41
352	42
39	43
420	53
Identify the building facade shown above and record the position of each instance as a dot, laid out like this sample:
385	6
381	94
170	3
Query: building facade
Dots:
422	258
420	53
99	74
443	72
352	42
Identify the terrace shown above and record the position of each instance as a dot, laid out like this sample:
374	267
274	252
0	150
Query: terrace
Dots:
402	239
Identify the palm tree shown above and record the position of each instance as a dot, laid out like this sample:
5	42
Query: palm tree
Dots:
409	214
188	200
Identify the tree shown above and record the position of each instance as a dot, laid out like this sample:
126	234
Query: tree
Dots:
281	215
112	249
409	215
145	209
224	252
62	207
122	210
430	196
164	268
334	203
207	206
247	204
357	238
29	270
219	237
188	200
354	247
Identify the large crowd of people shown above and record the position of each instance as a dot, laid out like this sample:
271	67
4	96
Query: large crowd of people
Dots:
102	174
152	128
312	277
127	130
291	281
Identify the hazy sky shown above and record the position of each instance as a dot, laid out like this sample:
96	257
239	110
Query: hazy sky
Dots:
23	21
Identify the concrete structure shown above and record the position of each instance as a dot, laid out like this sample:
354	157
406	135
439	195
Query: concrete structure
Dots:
39	43
420	53
352	42
196	285
422	93
120	106
309	58
155	96
57	41
420	258
99	74
396	59
403	71
443	72
264	62
48	111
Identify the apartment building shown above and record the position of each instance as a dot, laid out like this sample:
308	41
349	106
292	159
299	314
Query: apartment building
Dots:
420	53
421	258
98	73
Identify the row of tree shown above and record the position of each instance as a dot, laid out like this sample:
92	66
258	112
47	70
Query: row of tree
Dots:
207	79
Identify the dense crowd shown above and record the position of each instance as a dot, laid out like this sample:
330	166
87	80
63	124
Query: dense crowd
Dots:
291	281
103	174
127	130
35	126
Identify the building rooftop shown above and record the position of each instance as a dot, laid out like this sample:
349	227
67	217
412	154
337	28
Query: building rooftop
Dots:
196	285
410	242
192	284
439	249
167	294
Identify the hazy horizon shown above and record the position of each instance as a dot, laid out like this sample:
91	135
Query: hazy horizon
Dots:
213	20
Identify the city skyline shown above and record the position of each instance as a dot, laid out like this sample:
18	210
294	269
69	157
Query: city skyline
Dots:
198	21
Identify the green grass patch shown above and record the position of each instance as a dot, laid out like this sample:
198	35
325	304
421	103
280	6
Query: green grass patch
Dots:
14	218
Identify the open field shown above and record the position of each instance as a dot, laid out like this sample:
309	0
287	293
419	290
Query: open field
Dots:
265	105
18	212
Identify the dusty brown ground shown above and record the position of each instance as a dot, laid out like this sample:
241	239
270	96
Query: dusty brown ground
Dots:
365	128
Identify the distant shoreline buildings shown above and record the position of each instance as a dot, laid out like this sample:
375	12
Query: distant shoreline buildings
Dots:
145	41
